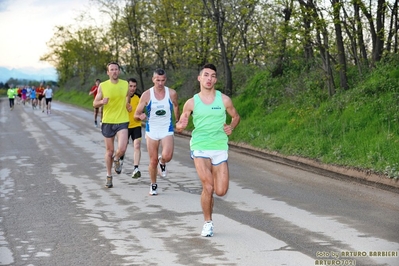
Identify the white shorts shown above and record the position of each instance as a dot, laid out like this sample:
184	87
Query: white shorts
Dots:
216	156
158	135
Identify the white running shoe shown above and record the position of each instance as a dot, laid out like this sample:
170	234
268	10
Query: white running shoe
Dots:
207	229
162	167
136	173
153	189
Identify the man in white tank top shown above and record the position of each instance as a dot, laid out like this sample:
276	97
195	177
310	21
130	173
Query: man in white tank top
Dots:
156	106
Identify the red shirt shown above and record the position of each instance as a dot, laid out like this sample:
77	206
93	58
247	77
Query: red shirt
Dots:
94	90
39	91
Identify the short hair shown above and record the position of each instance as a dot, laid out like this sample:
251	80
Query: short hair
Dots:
113	63
98	80
159	71
132	80
210	66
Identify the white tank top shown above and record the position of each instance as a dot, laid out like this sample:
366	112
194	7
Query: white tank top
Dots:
159	113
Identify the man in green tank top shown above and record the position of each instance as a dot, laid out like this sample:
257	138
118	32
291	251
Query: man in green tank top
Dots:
209	141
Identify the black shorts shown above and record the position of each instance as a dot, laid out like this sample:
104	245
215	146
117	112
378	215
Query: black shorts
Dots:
48	100
41	97
110	130
134	133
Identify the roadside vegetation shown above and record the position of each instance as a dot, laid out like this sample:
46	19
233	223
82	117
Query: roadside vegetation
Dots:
355	128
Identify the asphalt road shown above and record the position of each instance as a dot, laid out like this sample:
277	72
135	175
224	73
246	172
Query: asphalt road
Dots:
56	211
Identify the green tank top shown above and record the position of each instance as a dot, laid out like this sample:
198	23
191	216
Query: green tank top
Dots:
115	112
209	119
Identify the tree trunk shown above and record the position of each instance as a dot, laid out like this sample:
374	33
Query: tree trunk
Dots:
393	28
307	46
379	43
217	14
336	5
322	43
279	69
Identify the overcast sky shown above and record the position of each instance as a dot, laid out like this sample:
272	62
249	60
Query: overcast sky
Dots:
27	25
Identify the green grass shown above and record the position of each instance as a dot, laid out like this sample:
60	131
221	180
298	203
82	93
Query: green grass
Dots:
78	98
356	128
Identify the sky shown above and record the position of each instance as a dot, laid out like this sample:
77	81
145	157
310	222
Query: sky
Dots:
27	25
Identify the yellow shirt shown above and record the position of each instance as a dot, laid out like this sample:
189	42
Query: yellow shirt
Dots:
134	101
115	112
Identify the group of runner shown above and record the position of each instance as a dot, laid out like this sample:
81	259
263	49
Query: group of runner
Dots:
35	96
123	111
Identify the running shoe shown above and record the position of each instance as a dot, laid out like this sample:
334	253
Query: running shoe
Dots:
153	189
118	166
162	167
207	229
136	173
109	182
95	124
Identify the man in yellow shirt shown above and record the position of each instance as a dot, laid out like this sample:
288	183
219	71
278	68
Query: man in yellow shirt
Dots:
113	97
134	129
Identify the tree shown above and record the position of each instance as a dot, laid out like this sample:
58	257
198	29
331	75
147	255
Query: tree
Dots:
282	42
75	53
393	29
336	5
134	19
216	12
322	41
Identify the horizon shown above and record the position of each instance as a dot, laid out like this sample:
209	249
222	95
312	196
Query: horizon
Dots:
28	73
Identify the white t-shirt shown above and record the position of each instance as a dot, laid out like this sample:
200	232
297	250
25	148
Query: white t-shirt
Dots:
48	93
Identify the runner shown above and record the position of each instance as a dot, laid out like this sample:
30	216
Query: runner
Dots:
48	94
113	96
160	102
40	96
23	95
93	91
209	141
11	96
19	94
134	128
33	97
